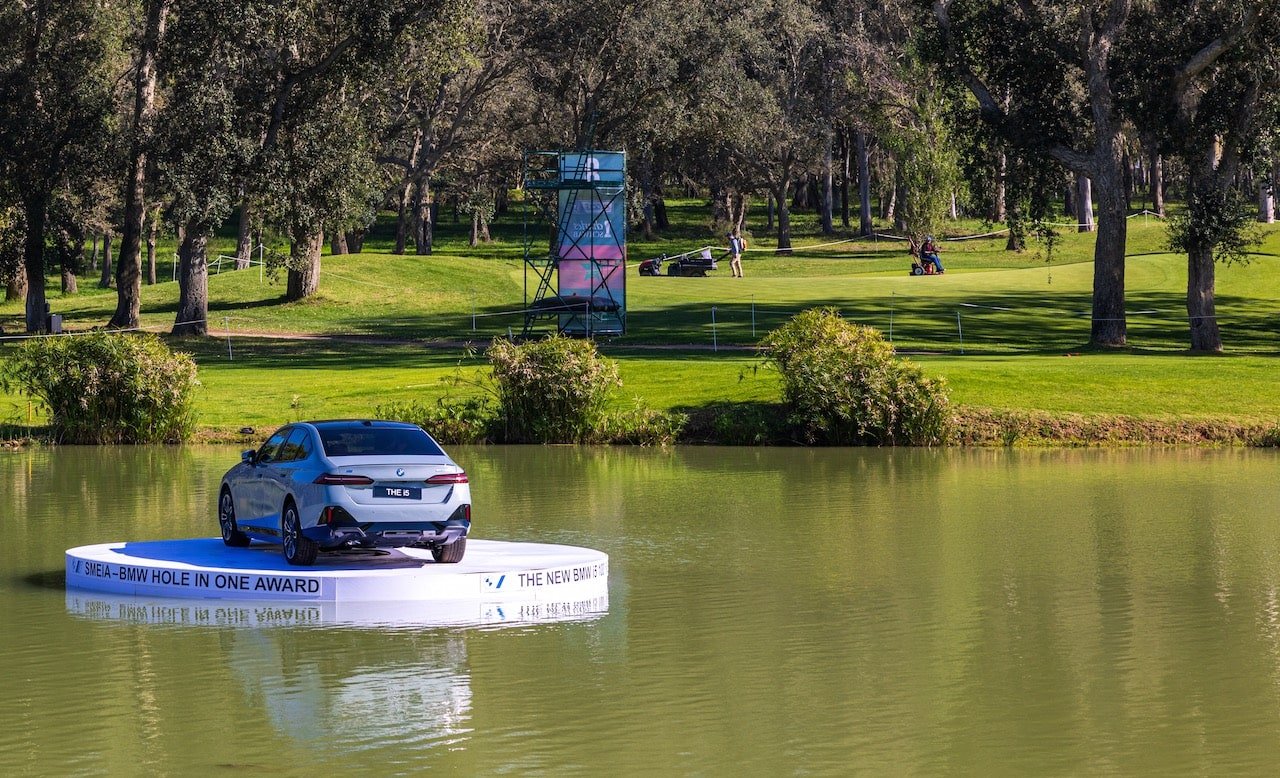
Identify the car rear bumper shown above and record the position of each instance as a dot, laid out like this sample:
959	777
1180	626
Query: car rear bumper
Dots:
425	534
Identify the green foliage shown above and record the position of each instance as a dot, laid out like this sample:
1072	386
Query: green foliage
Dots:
554	390
449	421
107	388
12	232
842	385
1216	218
929	168
746	424
640	426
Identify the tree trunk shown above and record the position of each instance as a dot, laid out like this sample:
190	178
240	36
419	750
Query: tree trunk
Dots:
423	227
826	197
105	280
647	231
846	158
1127	177
719	206
93	262
955	208
1205	334
1084	202
1157	183
865	225
244	238
475	228
71	263
338	243
998	210
645	180
1069	201
889	203
355	241
193	281
660	210
16	287
784	216
768	208
129	263
404	214
152	231
1109	328
1017	236
35	203
1266	200
304	261
900	199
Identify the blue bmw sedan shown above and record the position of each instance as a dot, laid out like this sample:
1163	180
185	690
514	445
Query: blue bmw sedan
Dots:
329	485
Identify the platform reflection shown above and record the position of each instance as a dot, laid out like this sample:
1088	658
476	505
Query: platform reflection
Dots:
585	603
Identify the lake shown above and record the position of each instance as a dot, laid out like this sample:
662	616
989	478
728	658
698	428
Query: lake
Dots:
770	612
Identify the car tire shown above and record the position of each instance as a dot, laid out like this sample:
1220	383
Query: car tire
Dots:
450	554
298	548
231	534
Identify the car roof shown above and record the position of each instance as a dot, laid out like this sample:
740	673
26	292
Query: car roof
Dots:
356	423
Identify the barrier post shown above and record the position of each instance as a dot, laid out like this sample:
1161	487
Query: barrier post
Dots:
226	324
960	330
715	344
753	317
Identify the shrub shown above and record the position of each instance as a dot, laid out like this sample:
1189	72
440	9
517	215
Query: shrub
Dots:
108	387
842	385
640	426
554	390
471	420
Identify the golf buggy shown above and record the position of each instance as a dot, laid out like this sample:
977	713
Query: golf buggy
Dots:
693	263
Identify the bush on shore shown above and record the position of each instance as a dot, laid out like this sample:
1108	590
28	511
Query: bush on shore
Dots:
556	390
107	388
842	384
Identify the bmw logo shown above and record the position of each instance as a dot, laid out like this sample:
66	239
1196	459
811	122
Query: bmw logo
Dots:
399	471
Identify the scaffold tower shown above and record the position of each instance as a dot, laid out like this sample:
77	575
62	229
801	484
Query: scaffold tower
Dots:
576	202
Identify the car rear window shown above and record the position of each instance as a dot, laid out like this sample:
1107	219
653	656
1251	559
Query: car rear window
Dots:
377	441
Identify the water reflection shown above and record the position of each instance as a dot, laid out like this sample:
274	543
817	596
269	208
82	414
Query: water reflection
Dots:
585	604
318	694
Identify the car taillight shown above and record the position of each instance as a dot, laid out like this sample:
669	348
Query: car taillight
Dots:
448	478
336	479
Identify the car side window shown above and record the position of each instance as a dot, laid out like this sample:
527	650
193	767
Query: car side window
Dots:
270	451
298	446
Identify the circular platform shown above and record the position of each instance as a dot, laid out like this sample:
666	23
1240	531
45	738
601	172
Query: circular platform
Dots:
204	568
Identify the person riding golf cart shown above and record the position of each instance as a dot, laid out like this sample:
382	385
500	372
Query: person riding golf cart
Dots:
928	256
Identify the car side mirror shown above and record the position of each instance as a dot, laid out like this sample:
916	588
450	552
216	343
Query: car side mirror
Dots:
247	456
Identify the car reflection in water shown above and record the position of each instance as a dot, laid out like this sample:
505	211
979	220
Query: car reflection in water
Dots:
347	676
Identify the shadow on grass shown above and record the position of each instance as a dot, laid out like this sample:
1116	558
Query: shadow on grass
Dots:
266	353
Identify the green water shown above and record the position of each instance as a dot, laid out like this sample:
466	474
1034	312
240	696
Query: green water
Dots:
771	612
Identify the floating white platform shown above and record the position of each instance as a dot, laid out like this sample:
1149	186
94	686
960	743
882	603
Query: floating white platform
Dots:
203	568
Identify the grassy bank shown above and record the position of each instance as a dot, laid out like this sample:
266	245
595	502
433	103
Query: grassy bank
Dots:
1007	330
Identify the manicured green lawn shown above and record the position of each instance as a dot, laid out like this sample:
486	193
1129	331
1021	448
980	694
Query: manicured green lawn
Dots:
1007	330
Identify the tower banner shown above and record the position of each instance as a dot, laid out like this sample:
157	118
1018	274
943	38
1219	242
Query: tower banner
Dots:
591	239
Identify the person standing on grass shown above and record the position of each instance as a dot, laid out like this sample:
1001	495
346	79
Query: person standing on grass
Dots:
736	245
